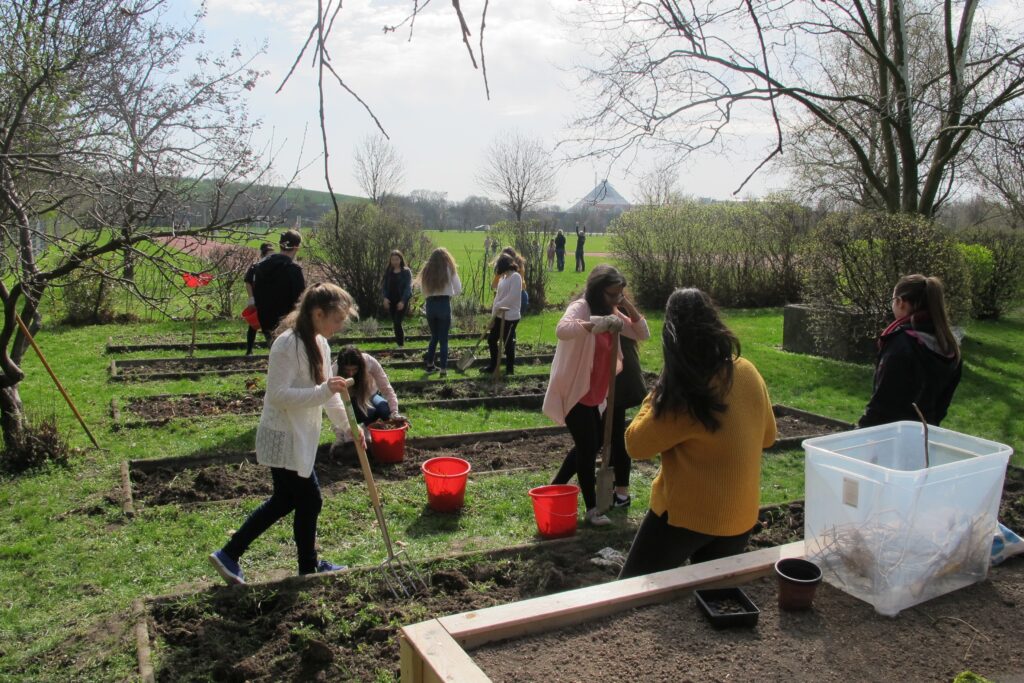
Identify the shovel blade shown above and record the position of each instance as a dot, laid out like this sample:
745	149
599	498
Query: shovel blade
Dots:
465	361
605	483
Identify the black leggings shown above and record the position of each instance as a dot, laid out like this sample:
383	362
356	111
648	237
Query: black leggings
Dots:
658	546
509	343
584	423
250	339
396	321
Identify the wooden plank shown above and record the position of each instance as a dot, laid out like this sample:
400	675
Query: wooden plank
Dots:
430	655
127	504
142	650
473	629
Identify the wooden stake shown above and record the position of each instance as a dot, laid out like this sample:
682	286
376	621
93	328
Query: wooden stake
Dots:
60	387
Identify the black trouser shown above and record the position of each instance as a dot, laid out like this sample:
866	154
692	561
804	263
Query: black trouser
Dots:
560	256
396	321
658	546
291	492
621	464
250	339
581	265
509	342
584	423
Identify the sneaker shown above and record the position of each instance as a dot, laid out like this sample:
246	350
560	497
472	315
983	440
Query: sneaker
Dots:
431	368
621	501
486	371
597	520
325	567
227	568
443	372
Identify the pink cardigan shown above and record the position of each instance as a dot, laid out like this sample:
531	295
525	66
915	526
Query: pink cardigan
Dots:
574	358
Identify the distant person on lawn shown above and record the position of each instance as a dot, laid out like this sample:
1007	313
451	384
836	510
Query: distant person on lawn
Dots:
299	387
397	290
266	249
918	357
581	239
560	250
709	417
278	283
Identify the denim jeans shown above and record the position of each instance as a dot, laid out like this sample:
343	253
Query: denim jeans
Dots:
291	492
380	410
439	319
560	256
658	546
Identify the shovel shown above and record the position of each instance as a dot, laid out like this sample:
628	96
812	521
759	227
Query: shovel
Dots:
605	475
401	577
469	357
501	344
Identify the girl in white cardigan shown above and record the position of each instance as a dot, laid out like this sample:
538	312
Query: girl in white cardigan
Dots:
299	387
507	303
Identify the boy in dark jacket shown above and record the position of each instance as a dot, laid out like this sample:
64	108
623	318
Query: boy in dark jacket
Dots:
277	283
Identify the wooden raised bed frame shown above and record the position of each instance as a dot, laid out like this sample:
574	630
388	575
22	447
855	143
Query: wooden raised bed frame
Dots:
117	346
436	650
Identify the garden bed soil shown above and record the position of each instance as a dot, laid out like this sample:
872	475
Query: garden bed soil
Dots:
344	626
150	369
840	639
226	341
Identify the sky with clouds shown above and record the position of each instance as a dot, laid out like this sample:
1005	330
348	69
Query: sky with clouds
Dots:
431	101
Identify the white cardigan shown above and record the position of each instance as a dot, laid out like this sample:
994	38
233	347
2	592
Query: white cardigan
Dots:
293	408
509	295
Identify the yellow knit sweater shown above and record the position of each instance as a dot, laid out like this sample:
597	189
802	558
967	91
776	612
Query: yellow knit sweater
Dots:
709	482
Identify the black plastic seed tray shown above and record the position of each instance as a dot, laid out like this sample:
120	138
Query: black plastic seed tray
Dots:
727	607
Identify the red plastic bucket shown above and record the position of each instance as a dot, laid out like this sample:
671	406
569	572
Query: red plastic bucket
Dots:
554	508
388	445
446	483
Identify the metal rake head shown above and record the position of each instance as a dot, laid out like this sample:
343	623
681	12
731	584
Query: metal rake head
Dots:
403	579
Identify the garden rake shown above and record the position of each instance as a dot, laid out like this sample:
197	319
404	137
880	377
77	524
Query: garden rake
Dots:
605	475
402	578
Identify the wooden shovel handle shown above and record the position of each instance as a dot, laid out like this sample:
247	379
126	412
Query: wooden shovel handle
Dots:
610	405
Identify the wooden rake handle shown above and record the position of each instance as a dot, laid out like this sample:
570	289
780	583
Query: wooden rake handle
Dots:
610	405
364	463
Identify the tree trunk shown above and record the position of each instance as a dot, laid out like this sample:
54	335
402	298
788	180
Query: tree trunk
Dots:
12	415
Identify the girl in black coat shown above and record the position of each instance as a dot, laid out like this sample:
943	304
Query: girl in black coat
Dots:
918	357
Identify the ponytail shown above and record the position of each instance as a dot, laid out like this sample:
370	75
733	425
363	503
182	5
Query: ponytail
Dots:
927	294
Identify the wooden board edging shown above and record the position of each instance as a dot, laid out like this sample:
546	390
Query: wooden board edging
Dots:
428	654
142	650
476	628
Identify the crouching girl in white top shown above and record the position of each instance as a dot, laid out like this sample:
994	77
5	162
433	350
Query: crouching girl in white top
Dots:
373	397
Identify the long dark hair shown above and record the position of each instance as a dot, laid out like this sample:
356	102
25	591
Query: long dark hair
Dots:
601	278
351	355
699	351
437	272
927	294
505	263
326	297
402	266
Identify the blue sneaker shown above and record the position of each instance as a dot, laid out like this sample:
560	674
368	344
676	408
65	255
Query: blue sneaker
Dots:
227	568
323	567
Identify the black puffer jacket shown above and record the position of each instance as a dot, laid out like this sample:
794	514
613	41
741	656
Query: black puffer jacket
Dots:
911	369
278	283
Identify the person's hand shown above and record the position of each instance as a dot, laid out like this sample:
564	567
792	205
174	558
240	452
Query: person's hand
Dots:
600	324
400	305
387	305
340	385
627	307
613	323
251	301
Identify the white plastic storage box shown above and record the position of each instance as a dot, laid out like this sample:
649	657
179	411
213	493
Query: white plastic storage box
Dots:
888	529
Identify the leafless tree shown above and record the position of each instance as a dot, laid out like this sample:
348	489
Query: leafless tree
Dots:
379	168
518	170
896	89
659	185
1000	163
106	136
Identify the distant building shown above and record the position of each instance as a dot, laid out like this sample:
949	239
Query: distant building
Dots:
603	197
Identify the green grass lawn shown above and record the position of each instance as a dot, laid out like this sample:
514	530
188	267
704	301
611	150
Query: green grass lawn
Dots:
70	564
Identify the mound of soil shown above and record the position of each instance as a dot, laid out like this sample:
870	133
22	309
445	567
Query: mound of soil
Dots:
344	626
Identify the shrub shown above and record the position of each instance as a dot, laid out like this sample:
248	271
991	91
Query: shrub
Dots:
980	264
37	444
743	254
854	260
88	298
1003	288
228	263
355	253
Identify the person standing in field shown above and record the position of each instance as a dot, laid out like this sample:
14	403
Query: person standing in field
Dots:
918	357
278	283
507	307
581	238
299	388
560	250
397	290
709	417
439	282
581	374
266	249
551	254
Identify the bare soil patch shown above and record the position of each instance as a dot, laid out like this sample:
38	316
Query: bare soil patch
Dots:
841	639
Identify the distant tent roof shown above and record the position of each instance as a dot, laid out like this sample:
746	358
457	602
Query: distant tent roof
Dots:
604	196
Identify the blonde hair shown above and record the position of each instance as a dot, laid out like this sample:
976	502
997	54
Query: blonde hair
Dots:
326	297
437	272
